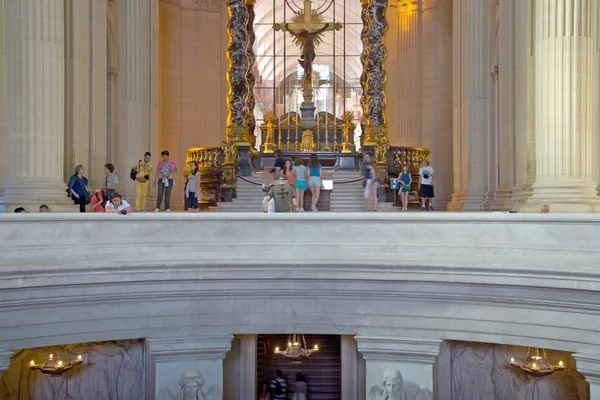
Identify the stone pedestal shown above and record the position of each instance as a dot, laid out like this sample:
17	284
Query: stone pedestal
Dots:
589	366
392	359
36	109
245	167
307	113
189	361
564	104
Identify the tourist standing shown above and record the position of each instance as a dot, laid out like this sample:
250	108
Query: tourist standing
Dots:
142	170
405	181
164	178
301	392
289	172
371	183
279	164
300	184
314	179
110	181
279	386
426	186
192	187
78	188
264	393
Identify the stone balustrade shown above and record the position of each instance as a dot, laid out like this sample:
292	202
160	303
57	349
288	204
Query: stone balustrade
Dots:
526	279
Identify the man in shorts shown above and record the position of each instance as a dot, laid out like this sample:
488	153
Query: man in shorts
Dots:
426	186
281	197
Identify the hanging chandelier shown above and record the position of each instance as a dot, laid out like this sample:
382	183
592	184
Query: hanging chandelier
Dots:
536	363
296	348
55	364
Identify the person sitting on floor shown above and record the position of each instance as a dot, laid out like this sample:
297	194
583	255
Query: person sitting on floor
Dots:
44	209
19	210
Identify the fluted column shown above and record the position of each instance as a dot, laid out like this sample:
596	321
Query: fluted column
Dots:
77	86
36	74
563	52
409	107
471	81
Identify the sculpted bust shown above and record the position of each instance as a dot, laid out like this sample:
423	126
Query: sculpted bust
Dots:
393	387
190	386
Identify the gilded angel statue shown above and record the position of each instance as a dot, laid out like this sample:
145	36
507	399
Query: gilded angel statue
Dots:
393	387
191	389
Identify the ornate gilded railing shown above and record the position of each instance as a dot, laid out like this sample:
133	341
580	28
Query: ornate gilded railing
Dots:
209	161
411	156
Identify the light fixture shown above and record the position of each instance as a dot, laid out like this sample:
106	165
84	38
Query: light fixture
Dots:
296	348
536	363
55	364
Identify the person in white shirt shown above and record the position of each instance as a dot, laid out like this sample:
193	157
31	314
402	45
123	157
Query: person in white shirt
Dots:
117	204
426	186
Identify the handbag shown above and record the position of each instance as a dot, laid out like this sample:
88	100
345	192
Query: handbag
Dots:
364	183
86	196
132	174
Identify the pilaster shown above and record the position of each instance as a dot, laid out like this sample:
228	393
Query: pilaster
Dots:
410	357
589	366
247	383
350	369
194	361
470	104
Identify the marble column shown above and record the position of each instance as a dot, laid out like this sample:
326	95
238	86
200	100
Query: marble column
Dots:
412	358
471	80
186	360
77	87
351	371
410	58
247	377
36	73
589	366
563	37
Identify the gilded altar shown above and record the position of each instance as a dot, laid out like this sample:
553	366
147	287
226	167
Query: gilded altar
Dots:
209	160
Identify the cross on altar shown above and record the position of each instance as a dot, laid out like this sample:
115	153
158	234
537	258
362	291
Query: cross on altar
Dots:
307	27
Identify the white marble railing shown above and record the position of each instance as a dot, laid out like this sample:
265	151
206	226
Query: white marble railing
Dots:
500	278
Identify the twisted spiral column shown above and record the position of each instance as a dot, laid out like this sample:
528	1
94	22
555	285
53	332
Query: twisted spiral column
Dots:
250	78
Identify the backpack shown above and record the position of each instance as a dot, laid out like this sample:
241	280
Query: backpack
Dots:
278	388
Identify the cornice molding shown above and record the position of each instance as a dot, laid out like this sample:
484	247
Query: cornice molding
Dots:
205	347
409	350
589	366
202	5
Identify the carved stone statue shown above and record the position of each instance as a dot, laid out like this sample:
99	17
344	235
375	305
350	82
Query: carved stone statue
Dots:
190	389
393	387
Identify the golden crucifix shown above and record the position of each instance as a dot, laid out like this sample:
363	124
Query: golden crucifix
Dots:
307	28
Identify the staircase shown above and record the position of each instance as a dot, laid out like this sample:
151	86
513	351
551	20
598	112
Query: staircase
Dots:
345	197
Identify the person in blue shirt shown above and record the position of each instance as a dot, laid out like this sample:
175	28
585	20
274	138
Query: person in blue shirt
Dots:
78	188
314	179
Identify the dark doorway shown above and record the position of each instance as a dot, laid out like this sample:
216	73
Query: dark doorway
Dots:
321	369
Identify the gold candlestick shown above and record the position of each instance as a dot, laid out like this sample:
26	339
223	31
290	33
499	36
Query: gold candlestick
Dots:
297	147
289	123
318	144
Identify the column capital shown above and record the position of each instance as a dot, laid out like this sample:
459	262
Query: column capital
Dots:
412	350
204	347
589	366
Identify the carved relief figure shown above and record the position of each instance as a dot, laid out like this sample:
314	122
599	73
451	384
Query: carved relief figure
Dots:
483	371
191	389
393	387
